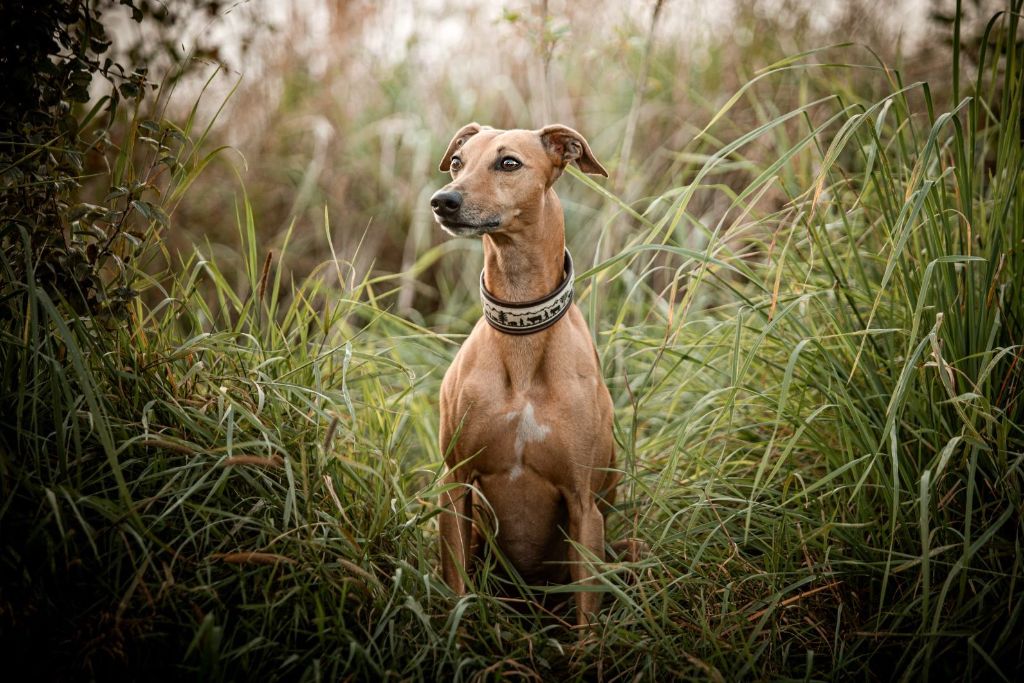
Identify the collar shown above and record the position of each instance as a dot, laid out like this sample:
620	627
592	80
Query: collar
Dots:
530	316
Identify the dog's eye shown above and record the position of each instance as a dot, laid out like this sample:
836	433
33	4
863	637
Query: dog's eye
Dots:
510	164
456	163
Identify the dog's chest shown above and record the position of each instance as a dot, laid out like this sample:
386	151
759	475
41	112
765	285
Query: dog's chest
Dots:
524	428
532	409
509	437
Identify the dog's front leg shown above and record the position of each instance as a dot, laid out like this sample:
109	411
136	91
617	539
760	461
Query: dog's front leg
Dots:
586	528
455	529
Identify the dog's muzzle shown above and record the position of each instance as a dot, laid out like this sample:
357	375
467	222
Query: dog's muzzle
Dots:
446	203
448	211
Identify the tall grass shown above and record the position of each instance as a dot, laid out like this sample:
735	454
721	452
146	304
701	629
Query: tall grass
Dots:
817	412
330	118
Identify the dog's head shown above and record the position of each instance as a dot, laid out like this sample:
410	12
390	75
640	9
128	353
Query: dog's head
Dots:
499	177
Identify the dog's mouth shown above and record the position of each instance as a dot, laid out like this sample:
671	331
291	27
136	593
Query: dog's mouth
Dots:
461	229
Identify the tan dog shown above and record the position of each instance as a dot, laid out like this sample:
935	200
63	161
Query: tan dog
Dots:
524	400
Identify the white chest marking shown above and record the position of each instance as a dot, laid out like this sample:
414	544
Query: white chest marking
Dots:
528	431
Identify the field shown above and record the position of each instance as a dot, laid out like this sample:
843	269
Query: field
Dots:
804	276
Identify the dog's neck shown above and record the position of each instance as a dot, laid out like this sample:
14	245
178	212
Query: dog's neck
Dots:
527	264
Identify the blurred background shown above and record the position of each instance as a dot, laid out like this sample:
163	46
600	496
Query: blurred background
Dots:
339	111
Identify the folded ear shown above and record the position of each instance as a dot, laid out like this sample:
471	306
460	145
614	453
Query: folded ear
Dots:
565	145
465	133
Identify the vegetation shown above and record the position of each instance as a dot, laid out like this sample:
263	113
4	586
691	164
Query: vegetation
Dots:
809	316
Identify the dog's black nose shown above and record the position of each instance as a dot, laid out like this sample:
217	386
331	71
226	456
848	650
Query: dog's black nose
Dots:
446	203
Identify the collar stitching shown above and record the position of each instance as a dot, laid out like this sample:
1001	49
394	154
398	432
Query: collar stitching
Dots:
530	316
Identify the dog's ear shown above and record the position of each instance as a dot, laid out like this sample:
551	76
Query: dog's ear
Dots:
465	133
564	145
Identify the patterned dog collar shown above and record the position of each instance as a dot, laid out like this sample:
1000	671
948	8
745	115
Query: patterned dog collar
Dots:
531	316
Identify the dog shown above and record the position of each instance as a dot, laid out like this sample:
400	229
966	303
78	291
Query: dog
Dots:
525	415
